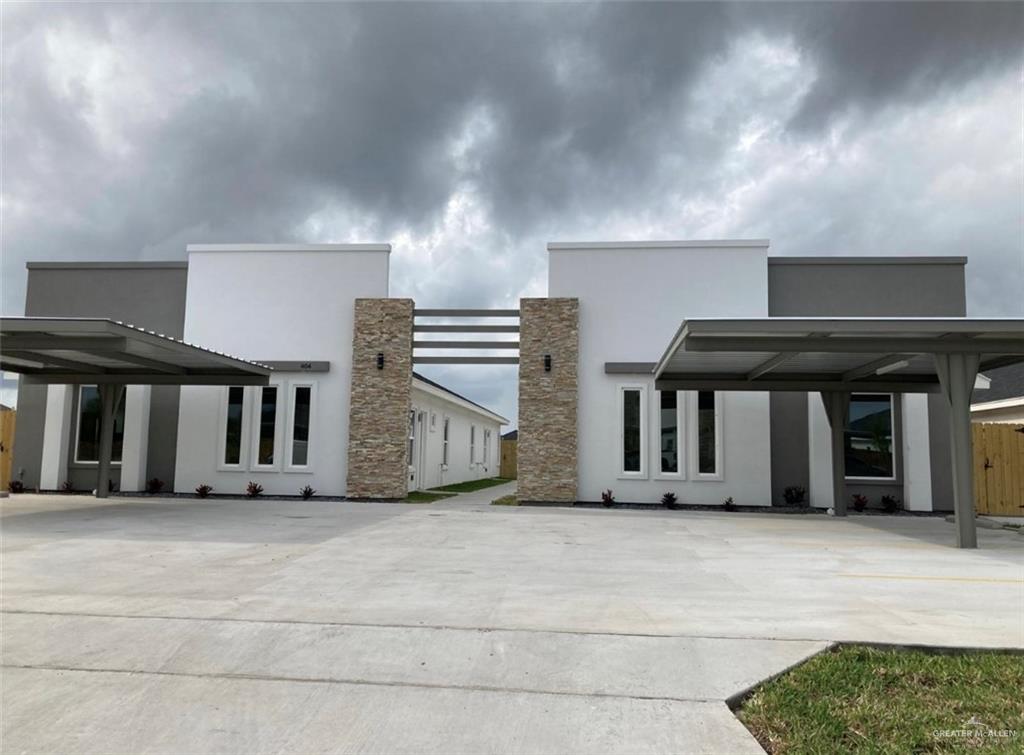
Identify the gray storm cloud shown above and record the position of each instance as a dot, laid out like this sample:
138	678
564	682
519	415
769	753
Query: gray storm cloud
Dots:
469	135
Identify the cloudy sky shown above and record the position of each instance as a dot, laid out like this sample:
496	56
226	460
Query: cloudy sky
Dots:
469	135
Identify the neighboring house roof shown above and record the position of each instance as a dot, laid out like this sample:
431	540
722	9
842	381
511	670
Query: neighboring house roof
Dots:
6	408
449	391
1006	383
511	435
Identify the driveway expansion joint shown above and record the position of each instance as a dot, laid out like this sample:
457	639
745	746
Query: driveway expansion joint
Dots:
433	627
360	682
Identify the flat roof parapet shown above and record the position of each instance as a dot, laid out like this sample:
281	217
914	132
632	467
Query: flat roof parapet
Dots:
191	248
854	260
110	265
569	246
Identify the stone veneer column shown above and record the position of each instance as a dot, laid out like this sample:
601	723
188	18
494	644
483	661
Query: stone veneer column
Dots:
548	400
380	399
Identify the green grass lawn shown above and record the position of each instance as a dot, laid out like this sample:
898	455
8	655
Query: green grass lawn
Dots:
470	485
421	496
865	700
505	500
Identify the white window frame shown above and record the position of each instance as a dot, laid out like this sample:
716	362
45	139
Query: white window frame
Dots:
893	431
222	429
622	474
681	440
487	447
472	445
78	430
446	436
694	440
290	466
257	404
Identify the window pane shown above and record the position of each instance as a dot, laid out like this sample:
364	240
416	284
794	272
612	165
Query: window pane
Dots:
631	431
669	433
300	426
268	420
444	459
89	426
868	437
707	462
233	432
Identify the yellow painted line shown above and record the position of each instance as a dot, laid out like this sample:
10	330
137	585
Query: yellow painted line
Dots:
935	579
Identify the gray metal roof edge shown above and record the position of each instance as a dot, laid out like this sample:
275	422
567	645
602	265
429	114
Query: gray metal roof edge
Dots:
109	265
192	248
856	260
437	385
788	327
569	246
756	325
116	328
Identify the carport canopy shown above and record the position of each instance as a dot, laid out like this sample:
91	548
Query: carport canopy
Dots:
111	355
838	356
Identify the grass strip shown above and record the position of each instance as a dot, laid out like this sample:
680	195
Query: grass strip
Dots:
859	699
472	485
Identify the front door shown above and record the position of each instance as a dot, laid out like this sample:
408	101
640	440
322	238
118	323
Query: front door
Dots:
413	452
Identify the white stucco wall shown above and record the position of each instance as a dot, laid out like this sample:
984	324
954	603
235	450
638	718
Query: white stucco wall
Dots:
819	451
431	401
57	429
917	464
135	445
275	303
632	300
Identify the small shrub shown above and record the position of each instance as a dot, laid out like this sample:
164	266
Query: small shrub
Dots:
154	486
890	504
728	504
795	495
505	500
669	500
16	486
860	502
307	493
204	490
608	498
253	489
67	488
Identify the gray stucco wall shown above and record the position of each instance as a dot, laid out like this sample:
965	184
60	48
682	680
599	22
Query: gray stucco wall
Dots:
861	287
147	294
788	417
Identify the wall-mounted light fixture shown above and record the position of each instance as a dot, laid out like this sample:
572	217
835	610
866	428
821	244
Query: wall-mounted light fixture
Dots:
547	363
380	360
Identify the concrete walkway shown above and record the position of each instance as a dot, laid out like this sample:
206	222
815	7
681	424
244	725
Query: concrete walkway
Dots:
160	625
478	497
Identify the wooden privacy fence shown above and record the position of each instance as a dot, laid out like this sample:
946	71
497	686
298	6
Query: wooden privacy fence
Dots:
7	418
999	469
509	459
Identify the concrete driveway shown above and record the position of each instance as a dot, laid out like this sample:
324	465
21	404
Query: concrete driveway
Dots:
266	626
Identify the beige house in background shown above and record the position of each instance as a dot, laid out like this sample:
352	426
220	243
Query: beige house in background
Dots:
1002	398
